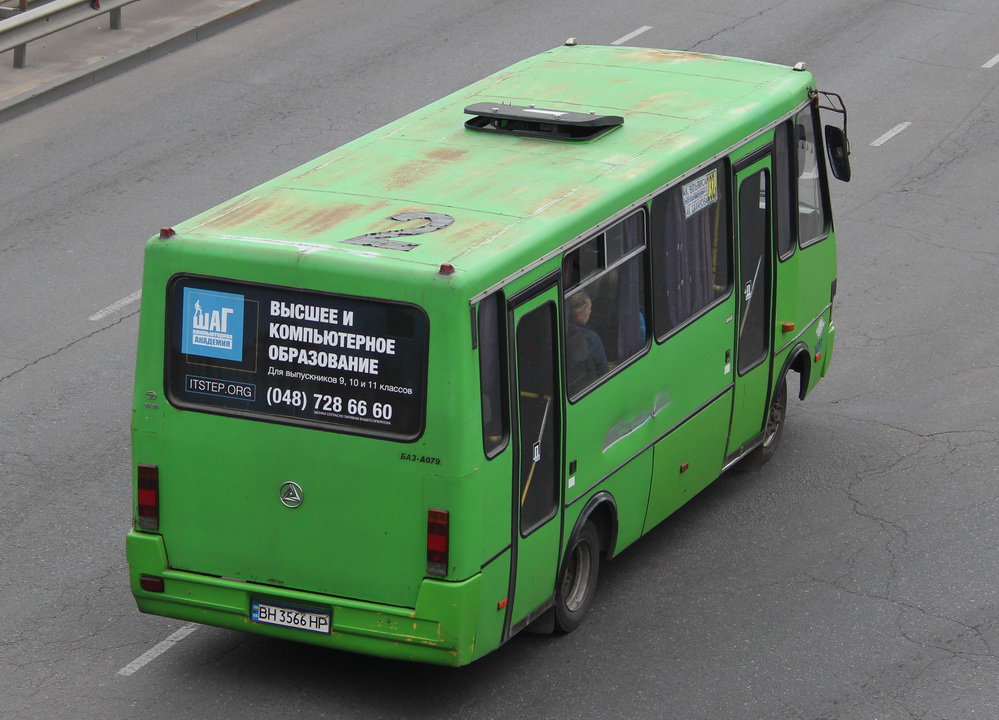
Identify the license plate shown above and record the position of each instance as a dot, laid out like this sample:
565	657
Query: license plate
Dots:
311	620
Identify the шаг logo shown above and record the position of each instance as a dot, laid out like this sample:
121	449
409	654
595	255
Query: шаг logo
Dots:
213	324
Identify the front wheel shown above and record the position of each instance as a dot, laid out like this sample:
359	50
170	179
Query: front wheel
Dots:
776	416
579	579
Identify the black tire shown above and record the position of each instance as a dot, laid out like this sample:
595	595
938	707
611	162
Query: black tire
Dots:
776	416
578	581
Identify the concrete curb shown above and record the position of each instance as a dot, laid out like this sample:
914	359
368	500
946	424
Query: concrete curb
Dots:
125	60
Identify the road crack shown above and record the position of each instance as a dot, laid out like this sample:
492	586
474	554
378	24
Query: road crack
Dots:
67	346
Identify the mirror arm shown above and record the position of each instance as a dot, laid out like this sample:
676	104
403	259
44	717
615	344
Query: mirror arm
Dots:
835	104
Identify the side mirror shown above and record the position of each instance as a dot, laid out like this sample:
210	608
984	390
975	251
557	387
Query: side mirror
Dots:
838	148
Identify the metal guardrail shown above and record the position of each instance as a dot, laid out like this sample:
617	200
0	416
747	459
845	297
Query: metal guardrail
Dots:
26	25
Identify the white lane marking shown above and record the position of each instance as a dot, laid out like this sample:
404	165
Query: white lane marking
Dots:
115	307
629	36
991	63
890	134
153	653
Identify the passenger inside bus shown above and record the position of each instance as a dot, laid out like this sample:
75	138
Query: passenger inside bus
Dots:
586	358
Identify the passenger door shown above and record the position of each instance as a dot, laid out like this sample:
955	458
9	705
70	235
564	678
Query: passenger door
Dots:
537	481
754	301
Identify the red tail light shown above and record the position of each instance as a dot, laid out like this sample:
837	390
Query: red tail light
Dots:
438	530
149	497
151	583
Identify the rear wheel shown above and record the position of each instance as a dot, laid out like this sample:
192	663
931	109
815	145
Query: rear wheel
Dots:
776	416
579	579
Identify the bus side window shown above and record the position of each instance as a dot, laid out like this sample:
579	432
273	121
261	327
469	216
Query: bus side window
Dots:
785	180
492	374
691	247
812	223
605	303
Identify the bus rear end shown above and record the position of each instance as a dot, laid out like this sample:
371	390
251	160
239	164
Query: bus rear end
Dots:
285	481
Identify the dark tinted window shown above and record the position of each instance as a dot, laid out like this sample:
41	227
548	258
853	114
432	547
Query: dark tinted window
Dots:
539	407
786	178
691	247
492	374
605	303
754	227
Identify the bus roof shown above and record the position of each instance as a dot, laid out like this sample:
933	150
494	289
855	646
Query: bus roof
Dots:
511	197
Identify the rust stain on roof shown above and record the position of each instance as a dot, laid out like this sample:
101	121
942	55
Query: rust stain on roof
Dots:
579	200
672	56
447	154
683	104
277	216
239	214
321	220
408	173
412	171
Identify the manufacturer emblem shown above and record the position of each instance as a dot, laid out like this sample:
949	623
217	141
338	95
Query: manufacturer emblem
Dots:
291	494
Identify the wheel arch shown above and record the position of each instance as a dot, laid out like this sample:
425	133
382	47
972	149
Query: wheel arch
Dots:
798	360
602	510
597	518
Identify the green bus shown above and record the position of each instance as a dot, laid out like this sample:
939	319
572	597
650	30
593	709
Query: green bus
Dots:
405	399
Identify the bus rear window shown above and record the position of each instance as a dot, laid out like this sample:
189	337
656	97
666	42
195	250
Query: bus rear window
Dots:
284	355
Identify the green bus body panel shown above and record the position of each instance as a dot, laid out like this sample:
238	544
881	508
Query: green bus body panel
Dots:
688	459
364	505
448	626
640	407
485	209
806	287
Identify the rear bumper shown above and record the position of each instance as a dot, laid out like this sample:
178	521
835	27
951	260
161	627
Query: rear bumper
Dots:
440	629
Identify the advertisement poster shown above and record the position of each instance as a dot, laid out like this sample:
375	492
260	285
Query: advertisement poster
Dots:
316	359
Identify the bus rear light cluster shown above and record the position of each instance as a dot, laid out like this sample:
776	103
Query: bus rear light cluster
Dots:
149	497
438	532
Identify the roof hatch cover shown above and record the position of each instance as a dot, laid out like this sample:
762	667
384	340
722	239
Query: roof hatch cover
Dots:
531	121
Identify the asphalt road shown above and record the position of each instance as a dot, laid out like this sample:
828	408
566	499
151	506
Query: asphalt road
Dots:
856	577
